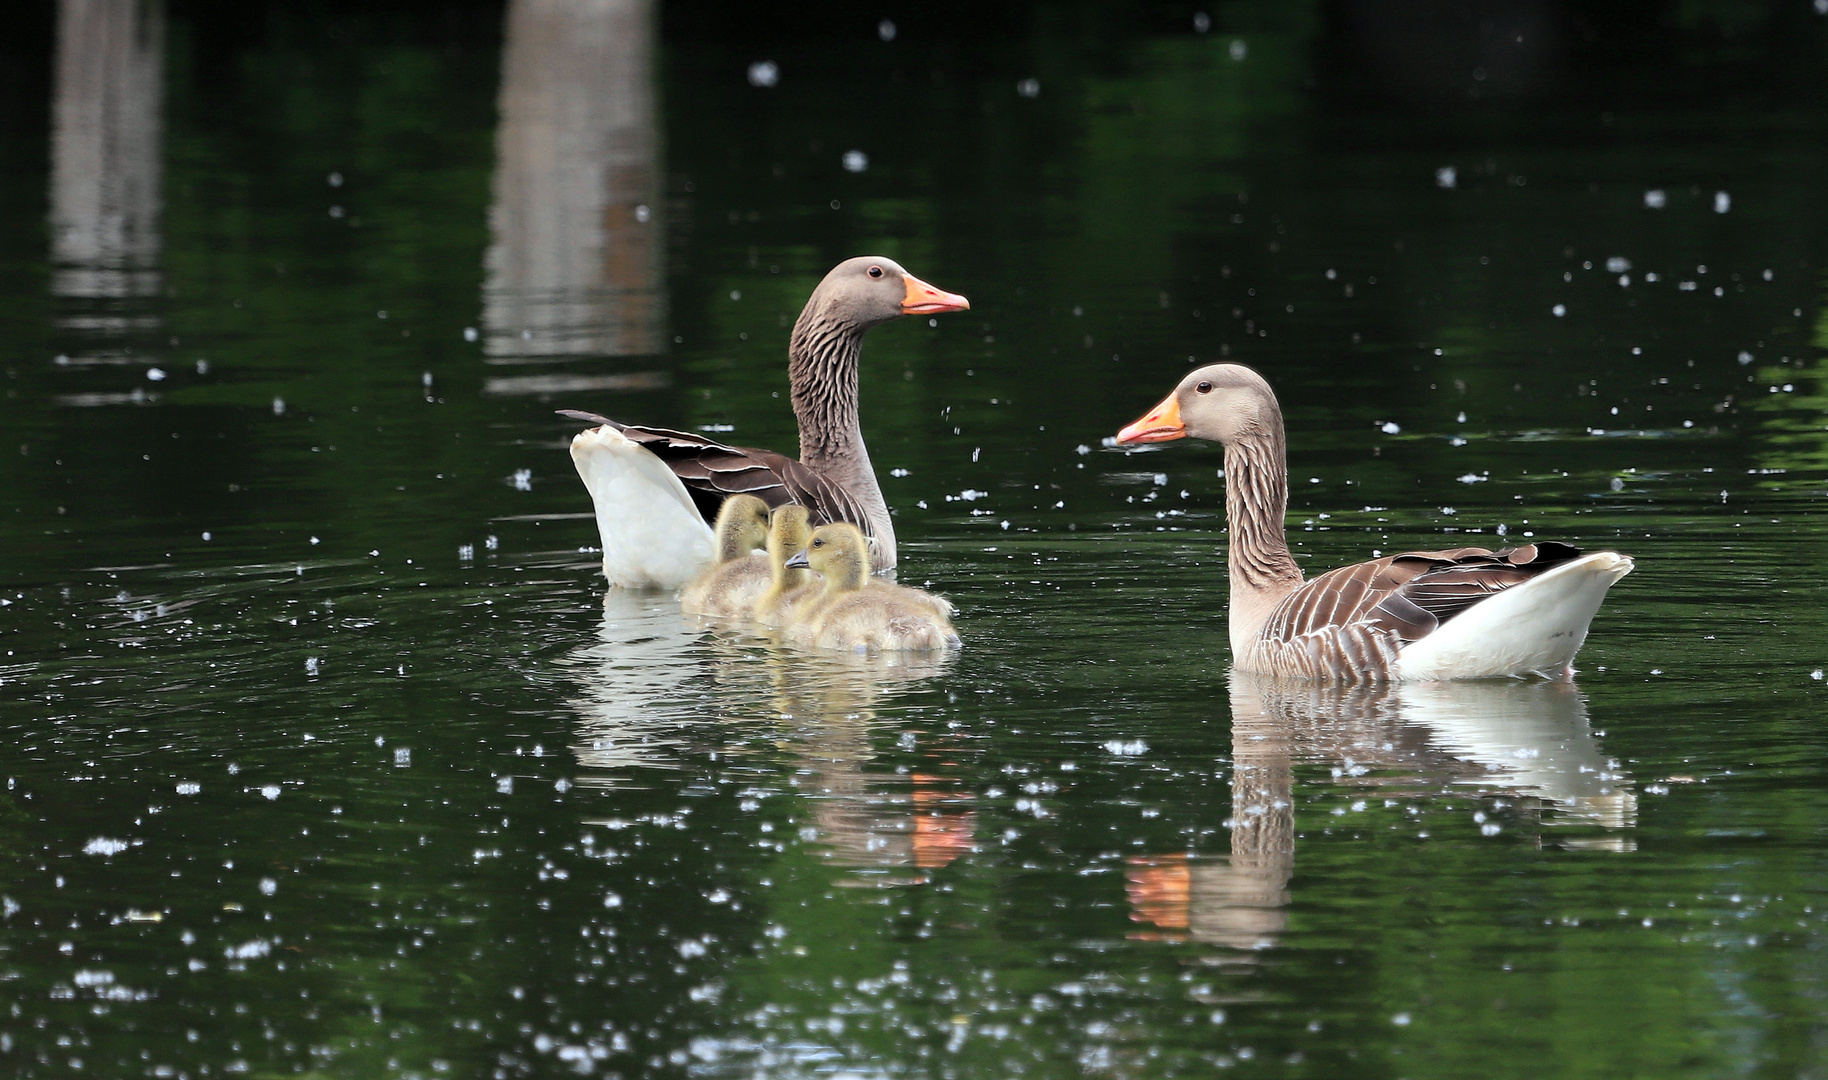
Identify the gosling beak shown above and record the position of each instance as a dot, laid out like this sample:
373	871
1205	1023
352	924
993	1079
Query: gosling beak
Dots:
1163	424
923	299
799	561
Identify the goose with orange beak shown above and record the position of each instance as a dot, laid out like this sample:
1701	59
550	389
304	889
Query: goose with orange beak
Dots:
1461	613
657	490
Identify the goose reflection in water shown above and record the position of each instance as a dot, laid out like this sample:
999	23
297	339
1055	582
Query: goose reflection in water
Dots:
655	690
1402	741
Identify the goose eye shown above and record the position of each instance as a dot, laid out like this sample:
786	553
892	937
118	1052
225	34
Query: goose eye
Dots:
818	543
1204	388
875	271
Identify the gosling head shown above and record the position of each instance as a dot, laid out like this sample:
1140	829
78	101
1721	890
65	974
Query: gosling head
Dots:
870	290
839	554
1224	403
788	532
742	526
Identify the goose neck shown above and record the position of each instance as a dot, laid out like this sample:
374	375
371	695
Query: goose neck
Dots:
1256	509
822	372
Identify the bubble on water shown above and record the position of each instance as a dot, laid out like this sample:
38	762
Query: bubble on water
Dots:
1490	828
1446	176
1501	530
250	950
1460	419
268	886
466	552
1161	479
1816	674
854	161
105	845
1202	22
886	30
1617	264
1559	310
643	213
1722	202
469	333
203	365
764	73
1126	747
1389	427
189	787
523	480
403	757
1745	358
1029	88
611	900
1655	199
335	179
505	785
311	665
1618	484
279	406
206	537
1238	49
156	374
270	792
1472	478
1400	1019
93	978
425	379
1449	511
492	542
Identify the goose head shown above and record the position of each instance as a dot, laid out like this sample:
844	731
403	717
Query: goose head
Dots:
839	554
742	526
1222	403
869	290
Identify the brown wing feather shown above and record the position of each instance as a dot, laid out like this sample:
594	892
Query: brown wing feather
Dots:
712	471
1411	594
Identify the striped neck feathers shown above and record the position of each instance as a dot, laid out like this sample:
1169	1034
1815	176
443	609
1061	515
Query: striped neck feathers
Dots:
1256	509
822	372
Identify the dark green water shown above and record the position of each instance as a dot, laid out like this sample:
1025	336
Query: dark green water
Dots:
326	754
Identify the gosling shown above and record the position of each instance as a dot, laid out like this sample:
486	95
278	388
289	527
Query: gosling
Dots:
788	533
853	612
731	585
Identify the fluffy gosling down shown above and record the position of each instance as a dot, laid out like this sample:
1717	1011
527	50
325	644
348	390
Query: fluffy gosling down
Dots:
855	613
789	531
732	584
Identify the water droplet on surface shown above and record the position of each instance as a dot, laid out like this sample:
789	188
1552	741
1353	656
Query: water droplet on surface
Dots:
1722	202
1655	199
764	73
854	161
469	333
1444	177
1029	88
1238	49
1202	22
1559	310
886	30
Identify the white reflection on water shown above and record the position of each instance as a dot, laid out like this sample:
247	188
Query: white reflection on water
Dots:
574	265
106	161
1530	739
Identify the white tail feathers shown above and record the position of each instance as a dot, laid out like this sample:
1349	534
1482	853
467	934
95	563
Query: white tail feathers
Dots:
1535	627
653	536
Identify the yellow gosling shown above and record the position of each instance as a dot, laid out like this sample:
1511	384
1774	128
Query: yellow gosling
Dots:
731	584
789	530
857	614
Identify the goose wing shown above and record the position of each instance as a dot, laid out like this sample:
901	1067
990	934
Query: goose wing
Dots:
1408	596
712	470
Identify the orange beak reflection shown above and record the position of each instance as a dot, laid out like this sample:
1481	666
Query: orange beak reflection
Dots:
922	299
1163	424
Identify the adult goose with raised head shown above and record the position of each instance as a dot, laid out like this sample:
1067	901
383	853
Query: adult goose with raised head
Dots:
656	490
1464	613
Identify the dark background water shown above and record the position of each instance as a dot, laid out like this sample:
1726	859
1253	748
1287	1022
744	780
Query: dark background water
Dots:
326	753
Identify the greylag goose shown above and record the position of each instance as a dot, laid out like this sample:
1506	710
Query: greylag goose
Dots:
855	613
731	585
656	489
1464	613
788	532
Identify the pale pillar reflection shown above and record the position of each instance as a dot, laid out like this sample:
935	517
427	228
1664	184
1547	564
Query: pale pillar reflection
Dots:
576	255
106	164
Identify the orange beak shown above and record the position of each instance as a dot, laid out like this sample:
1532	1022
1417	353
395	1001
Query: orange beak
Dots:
923	299
1163	424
